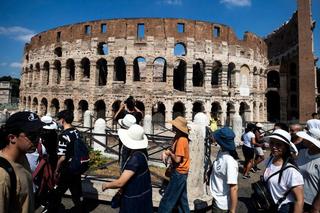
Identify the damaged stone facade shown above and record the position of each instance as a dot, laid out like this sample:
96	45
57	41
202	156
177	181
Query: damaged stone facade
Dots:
170	66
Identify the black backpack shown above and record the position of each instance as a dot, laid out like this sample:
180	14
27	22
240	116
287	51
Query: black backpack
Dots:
4	163
79	162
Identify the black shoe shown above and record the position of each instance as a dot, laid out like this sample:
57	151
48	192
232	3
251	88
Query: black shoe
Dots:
257	168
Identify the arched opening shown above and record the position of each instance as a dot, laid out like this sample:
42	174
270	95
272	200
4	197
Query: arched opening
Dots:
197	107
57	67
29	103
273	106
82	107
159	70
231	67
100	109
102	72
180	49
115	107
58	51
37	71
46	69
230	112
71	69
43	107
103	49
178	110
54	107
216	109
119	69
139	69
179	75
85	65
273	79
198	74
24	103
68	105
216	72
35	104
244	112
244	76
158	115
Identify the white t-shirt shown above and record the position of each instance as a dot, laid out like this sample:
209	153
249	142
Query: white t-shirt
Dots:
290	177
224	172
313	123
309	166
247	139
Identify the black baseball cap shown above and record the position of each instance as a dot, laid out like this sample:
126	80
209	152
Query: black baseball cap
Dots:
26	121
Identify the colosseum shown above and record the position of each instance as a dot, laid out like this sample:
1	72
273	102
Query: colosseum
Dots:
171	67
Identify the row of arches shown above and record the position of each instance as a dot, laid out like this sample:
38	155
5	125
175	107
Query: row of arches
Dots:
141	71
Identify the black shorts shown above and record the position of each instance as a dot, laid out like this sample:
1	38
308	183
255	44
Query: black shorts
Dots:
248	153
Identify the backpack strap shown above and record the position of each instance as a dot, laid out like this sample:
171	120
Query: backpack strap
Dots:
4	163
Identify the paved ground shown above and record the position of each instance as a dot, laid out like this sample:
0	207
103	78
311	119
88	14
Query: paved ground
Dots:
244	193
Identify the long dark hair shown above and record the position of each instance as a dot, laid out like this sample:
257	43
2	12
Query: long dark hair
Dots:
287	158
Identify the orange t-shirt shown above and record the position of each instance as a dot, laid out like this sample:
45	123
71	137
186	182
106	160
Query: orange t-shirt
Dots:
181	148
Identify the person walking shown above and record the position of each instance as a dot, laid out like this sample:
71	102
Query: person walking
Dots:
175	194
287	185
259	154
135	180
308	162
224	175
18	136
66	179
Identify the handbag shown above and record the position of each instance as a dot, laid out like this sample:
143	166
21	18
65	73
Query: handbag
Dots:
169	171
261	197
116	199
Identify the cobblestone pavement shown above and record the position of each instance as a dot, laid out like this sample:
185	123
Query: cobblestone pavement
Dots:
244	193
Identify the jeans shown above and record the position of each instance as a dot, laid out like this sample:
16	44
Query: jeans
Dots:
286	208
175	194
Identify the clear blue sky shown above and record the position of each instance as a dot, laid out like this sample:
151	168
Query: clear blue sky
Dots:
19	19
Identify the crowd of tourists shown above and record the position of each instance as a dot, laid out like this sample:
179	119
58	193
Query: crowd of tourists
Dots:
41	158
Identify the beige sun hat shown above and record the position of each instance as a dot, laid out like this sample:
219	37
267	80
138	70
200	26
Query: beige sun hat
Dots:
127	121
285	137
134	137
181	124
313	135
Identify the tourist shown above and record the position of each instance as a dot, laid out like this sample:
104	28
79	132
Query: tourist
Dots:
282	126
213	122
297	141
224	175
175	194
287	185
314	122
308	162
129	107
18	136
259	154
67	179
135	180
249	142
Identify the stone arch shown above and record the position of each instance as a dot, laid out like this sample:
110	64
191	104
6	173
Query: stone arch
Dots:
68	105
71	69
244	75
102	48
139	69
273	106
273	79
46	70
261	110
119	69
100	109
198	73
230	112
102	68
57	67
140	105
230	78
43	107
178	109
159	70
216	73
58	51
54	107
179	75
24	102
216	109
85	66
37	66
244	112
158	114
35	104
82	107
29	103
180	49
197	106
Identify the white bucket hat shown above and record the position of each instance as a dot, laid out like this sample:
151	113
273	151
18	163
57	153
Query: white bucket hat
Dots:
127	121
134	137
313	135
259	125
49	123
285	137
